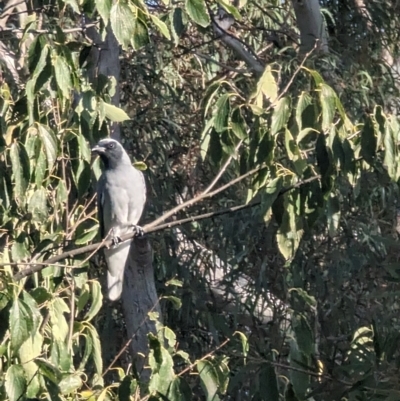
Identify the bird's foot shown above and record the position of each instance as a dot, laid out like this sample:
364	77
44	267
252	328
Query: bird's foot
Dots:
115	240
138	230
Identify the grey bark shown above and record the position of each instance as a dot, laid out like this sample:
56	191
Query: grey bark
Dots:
139	297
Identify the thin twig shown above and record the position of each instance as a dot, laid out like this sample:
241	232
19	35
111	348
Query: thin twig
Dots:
289	84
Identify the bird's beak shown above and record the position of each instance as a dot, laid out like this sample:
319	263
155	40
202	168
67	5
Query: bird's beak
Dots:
98	149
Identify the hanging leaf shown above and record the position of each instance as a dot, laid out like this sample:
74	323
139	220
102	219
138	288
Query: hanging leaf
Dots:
267	87
305	100
15	383
62	74
70	384
161	364
281	115
238	124
333	215
179	390
177	24
21	323
221	114
49	142
97	300
104	9
161	26
197	11
268	382
368	141
96	353
328	103
122	23
20	169
37	205
209	380
140	36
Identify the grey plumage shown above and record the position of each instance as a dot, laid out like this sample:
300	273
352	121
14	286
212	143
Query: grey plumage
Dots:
121	195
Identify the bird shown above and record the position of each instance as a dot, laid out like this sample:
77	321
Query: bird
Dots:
121	197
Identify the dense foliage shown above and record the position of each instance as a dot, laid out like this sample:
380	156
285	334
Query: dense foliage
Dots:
294	296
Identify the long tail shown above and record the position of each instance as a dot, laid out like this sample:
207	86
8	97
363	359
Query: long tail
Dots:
116	261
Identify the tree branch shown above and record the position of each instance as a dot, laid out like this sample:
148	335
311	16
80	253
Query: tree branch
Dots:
155	226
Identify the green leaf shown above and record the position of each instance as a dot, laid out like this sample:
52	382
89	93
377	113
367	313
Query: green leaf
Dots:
179	390
305	100
20	248
84	148
60	356
87	236
209	380
177	24
197	11
48	370
161	26
298	378
230	9
238	124
176	302
280	115
122	23
62	74
368	142
221	114
104	8
21	323
161	364
70	384
57	309
333	215
37	205
15	383
127	388
266	86
20	169
114	113
97	300
304	334
96	353
174	282
140	36
328	103
245	342
268	382
28	351
49	141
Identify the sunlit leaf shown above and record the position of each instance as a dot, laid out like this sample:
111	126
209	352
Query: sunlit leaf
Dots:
15	382
280	115
161	26
197	11
21	323
122	22
114	113
97	300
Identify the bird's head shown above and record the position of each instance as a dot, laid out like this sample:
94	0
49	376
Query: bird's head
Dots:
111	153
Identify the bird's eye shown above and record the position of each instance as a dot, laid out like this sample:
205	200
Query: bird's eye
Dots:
111	145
